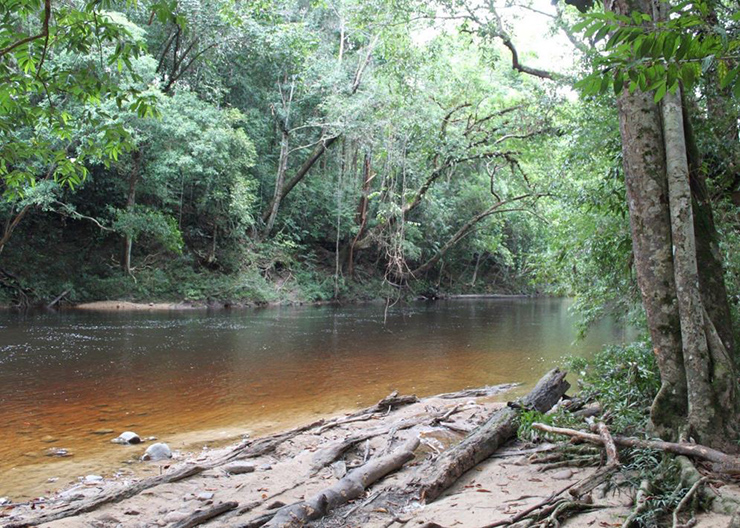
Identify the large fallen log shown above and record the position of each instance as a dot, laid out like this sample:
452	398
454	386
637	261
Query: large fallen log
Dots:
350	487
441	473
723	462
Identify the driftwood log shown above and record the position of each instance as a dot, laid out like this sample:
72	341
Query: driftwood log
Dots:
199	517
350	487
441	473
724	463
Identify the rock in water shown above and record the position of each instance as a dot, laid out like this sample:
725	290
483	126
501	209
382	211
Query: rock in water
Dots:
157	451
128	437
57	452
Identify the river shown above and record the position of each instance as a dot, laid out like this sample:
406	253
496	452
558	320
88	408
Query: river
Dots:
194	377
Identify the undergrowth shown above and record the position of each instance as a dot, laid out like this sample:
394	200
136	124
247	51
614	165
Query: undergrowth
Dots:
623	379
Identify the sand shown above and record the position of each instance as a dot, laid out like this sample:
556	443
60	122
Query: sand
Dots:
495	490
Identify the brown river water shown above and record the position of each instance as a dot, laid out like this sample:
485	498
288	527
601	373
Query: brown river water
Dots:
190	378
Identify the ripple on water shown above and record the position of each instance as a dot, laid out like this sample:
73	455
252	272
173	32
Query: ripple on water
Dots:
165	374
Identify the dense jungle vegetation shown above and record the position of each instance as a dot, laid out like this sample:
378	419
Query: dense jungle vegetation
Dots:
278	151
293	150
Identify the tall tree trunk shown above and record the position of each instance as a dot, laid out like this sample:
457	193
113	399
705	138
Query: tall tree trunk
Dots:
702	413
647	196
133	180
709	258
279	180
361	216
697	373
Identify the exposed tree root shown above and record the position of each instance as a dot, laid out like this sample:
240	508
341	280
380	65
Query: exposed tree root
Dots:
723	463
641	504
690	495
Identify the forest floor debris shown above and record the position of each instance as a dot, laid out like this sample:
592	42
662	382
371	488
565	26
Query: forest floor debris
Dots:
503	489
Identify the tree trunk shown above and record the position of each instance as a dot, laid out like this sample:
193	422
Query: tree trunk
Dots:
465	229
702	414
709	258
302	171
279	179
361	217
647	197
697	374
133	180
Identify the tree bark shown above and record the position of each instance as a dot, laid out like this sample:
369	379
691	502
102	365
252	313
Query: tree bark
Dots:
647	197
701	408
709	258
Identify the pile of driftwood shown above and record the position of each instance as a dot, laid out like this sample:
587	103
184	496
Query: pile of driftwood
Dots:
428	480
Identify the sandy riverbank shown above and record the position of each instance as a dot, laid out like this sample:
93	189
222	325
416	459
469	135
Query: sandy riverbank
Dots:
494	490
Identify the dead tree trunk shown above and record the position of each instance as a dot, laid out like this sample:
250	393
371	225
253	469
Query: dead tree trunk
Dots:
350	487
486	439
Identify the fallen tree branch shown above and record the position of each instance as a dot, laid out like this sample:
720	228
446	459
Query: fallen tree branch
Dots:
724	463
612	458
488	390
350	487
486	439
201	516
328	455
111	497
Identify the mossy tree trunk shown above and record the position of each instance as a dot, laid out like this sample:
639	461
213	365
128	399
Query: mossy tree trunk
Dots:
698	394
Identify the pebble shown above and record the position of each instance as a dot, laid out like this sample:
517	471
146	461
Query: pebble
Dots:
204	496
57	452
265	467
127	437
157	452
93	479
4	501
49	439
239	468
564	474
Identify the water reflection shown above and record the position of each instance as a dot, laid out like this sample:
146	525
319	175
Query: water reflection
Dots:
65	375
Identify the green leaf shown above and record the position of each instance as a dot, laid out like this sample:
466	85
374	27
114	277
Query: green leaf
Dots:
660	92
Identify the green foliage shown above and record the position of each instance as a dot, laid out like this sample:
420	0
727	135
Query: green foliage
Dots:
57	64
624	379
639	52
